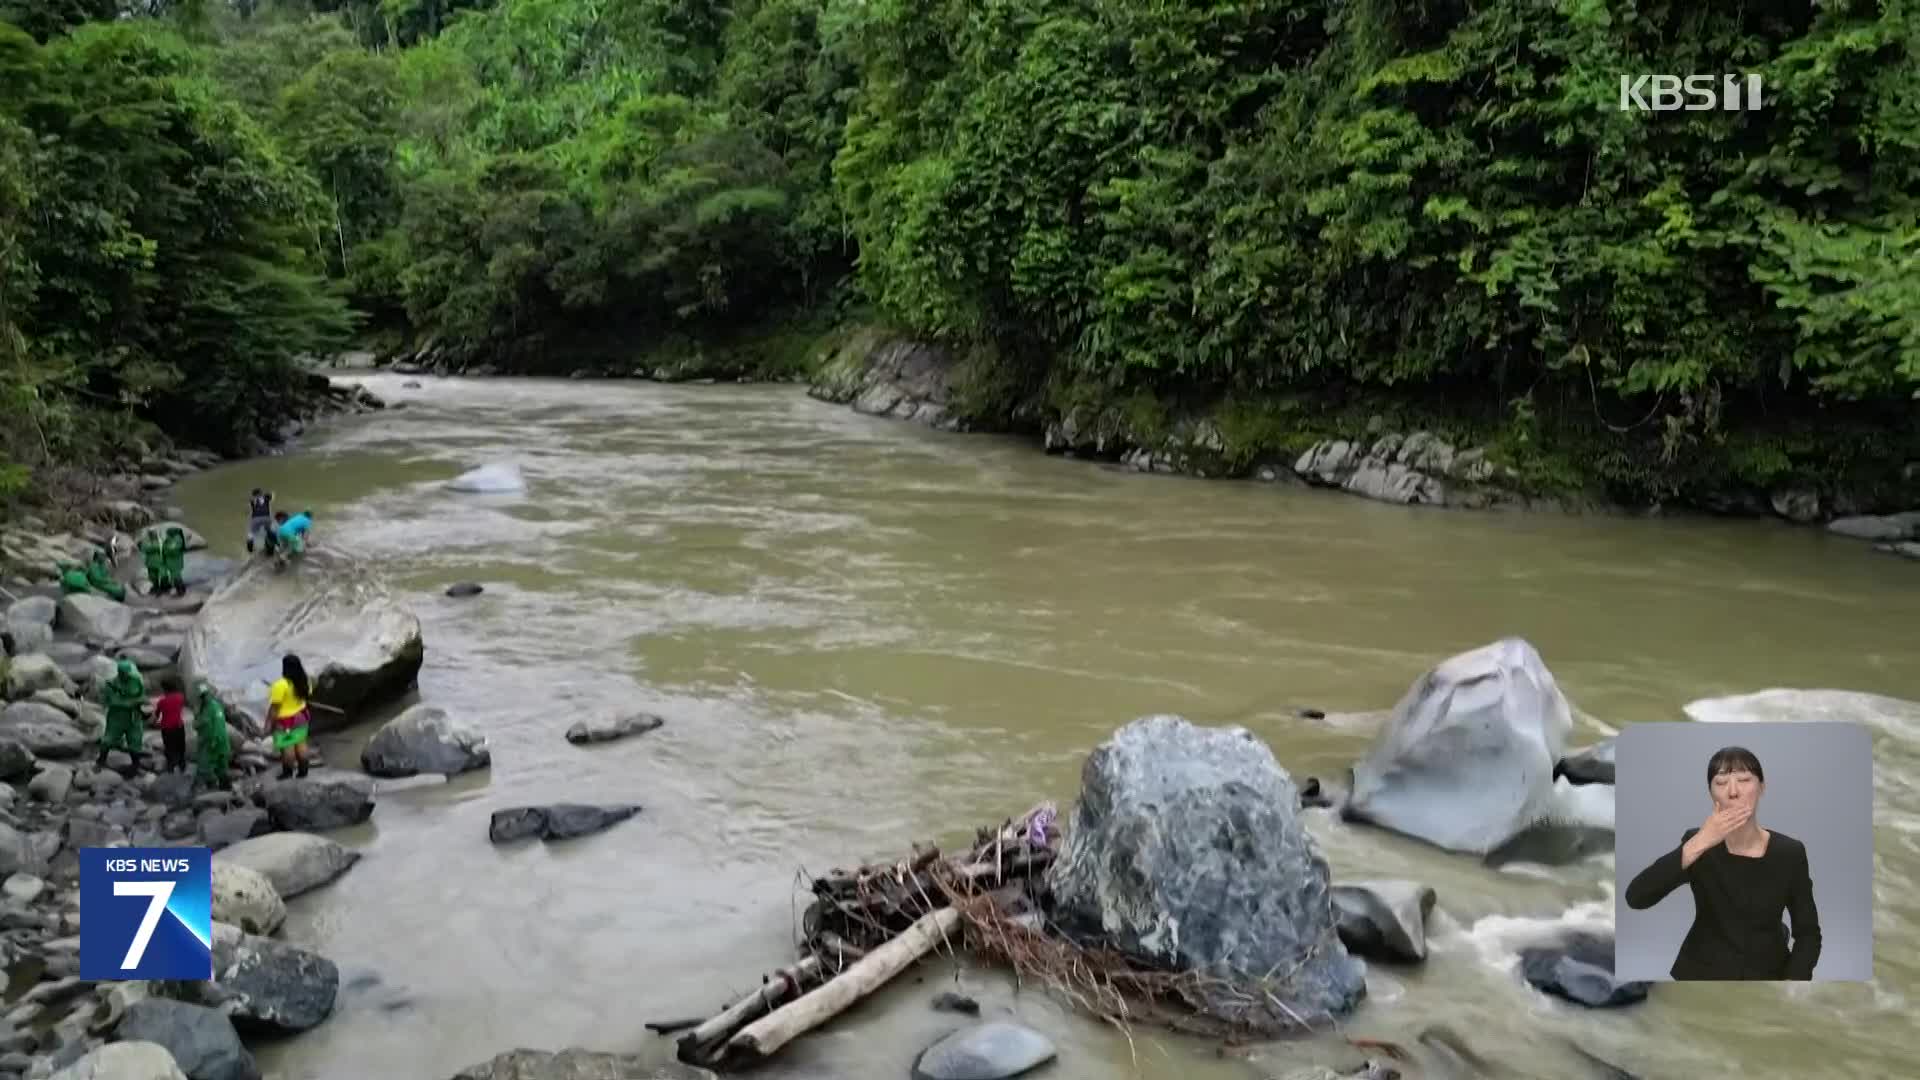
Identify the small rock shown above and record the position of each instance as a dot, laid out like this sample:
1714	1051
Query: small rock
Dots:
948	1001
1384	920
201	1040
1580	969
246	899
608	729
23	888
575	1064
124	1061
560	821
16	760
292	862
52	783
465	588
994	1050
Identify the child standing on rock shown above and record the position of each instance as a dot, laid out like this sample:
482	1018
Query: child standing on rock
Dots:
125	696
287	704
211	744
170	709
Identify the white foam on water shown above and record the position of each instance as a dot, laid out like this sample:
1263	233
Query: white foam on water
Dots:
1498	939
1891	716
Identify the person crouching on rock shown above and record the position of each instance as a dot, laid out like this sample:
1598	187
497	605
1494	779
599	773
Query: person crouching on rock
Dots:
291	535
287	701
100	576
212	749
125	696
170	709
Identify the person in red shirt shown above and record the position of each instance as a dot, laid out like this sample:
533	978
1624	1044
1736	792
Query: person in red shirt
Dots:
170	709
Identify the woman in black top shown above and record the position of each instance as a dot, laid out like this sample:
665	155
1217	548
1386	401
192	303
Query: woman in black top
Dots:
1742	878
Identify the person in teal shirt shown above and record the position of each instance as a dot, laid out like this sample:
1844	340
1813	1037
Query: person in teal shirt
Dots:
292	532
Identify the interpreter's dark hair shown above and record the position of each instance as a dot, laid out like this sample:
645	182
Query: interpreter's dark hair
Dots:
296	673
1734	759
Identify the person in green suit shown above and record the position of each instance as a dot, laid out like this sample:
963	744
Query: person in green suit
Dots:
100	576
212	749
73	578
173	556
125	696
152	554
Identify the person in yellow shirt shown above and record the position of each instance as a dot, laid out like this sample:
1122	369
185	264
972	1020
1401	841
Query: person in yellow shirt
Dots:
287	706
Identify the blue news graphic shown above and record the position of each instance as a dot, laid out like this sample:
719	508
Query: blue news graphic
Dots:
146	913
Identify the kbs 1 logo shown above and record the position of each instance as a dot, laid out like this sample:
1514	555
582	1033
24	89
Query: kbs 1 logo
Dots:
146	913
1704	93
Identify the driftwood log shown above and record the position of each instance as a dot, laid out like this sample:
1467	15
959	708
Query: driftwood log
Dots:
864	927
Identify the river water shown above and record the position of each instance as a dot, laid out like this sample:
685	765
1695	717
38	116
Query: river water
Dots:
864	634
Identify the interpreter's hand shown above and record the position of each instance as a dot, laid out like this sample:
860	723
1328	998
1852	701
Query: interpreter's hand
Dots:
1721	824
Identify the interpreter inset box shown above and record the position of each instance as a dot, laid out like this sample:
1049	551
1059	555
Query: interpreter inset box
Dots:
1744	852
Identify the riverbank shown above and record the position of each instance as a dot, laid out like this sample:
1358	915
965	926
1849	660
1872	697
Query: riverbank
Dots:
1841	473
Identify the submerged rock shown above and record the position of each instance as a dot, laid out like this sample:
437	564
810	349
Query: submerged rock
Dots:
1185	850
1466	760
1579	969
201	1040
465	588
495	479
292	862
575	1064
424	739
1594	765
996	1050
607	729
1384	920
560	821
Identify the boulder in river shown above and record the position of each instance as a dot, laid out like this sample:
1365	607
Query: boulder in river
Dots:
494	479
465	588
995	1050
323	799
1186	850
127	1060
246	899
424	739
292	862
86	615
201	1040
1579	968
609	728
560	821
361	646
574	1064
268	984
1466	760
1384	920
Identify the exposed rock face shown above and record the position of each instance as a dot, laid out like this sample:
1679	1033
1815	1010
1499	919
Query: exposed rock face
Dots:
880	376
1466	760
424	739
1185	850
360	646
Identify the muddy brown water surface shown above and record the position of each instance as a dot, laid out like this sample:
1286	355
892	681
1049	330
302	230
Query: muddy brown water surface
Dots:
864	634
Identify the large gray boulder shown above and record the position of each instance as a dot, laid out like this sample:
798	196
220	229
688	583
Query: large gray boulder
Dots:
361	646
30	673
424	739
44	730
575	1064
1466	760
86	615
246	899
30	621
201	1040
124	1061
292	862
267	985
1185	850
